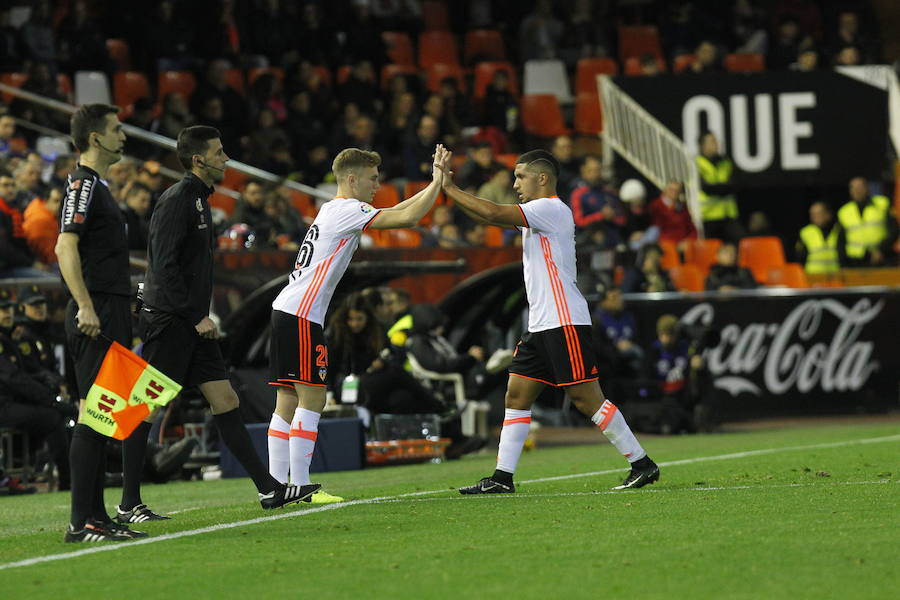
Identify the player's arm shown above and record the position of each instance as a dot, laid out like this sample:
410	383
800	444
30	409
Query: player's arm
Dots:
502	215
70	268
478	219
410	211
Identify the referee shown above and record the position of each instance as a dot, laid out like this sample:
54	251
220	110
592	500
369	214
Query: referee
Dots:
93	259
181	339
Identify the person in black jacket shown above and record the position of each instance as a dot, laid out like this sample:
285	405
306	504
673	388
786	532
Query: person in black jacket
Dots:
180	338
725	274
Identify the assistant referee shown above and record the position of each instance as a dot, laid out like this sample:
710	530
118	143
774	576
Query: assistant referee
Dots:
180	338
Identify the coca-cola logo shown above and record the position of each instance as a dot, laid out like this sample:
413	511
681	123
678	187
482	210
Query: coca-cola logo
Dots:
789	354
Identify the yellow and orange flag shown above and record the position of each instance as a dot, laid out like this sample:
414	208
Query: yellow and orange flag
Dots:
126	389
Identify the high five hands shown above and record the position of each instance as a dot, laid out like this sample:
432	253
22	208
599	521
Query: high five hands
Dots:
441	167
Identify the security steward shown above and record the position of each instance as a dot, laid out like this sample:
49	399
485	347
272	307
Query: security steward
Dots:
180	339
28	404
93	259
817	248
718	205
868	228
34	336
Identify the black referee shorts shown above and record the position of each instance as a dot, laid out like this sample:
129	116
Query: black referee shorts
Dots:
297	352
558	357
87	353
173	346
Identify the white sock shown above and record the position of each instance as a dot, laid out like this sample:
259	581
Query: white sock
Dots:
516	424
304	431
613	425
279	448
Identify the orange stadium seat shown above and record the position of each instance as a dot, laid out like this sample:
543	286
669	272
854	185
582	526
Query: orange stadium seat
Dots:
437	47
484	74
128	86
399	47
120	53
386	196
223	202
399	238
670	256
437	72
682	62
493	236
508	160
13	80
638	40
542	116
759	254
278	72
302	203
588	69
588	115
234	78
388	72
234	179
633	66
790	275
484	44
687	278
702	253
745	63
434	14
182	82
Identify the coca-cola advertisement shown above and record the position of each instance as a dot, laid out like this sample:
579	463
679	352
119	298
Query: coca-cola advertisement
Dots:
791	352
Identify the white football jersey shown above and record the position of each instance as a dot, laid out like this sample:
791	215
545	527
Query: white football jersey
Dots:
548	257
323	258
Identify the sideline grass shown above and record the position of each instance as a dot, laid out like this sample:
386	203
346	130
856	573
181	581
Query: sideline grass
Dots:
816	523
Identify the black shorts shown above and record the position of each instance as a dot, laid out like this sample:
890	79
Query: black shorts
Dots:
114	313
297	351
173	346
557	357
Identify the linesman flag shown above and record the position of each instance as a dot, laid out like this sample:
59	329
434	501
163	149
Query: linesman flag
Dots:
126	389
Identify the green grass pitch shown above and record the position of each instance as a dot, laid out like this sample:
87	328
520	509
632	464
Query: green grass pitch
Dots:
808	512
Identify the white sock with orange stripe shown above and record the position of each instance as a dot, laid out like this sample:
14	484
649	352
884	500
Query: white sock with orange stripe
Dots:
516	424
613	425
279	448
304	431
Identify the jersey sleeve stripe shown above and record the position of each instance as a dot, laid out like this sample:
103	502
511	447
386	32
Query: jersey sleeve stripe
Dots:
369	222
524	218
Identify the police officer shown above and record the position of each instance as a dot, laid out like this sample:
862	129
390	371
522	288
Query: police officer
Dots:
34	336
28	404
718	205
868	228
180	338
93	258
817	247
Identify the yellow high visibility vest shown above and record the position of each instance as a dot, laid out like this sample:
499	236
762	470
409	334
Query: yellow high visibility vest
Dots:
716	208
866	230
821	252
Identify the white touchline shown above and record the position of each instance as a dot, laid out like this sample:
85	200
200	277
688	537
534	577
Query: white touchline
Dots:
301	513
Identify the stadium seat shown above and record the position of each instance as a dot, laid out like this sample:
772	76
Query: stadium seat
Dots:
437	47
234	78
637	40
493	236
588	114
483	45
388	72
484	75
414	187
182	82
223	202
302	203
119	53
670	257
434	14
587	71
542	116
13	80
234	179
437	72
759	254
399	48
633	66
399	238
682	62
386	196
687	278
507	160
745	63
129	86
91	87
278	72
547	77
789	275
702	253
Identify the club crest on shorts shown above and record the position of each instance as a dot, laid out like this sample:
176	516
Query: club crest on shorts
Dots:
322	372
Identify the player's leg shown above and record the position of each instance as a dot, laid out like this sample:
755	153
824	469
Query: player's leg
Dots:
305	430
278	436
284	351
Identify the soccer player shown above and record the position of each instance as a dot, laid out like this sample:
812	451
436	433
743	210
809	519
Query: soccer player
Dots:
557	349
298	355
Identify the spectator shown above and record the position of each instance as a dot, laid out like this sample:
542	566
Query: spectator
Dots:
594	202
63	164
82	44
7	131
440	216
360	88
725	274
150	174
564	151
638	229
15	258
868	228
41	226
475	235
395	130
214	85
365	44
540	33
718	205
138	201
669	212
449	237
650	65
28	184
786	45
41	81
817	248
212	113
706	59
37	34
302	125
500	108
807	60
266	133
286	229
419	148
498	189
455	103
448	126
647	275
848	56
175	116
479	167
118	177
250	207
848	34
142	118
397	302
168	39
343	128
676	370
620	328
